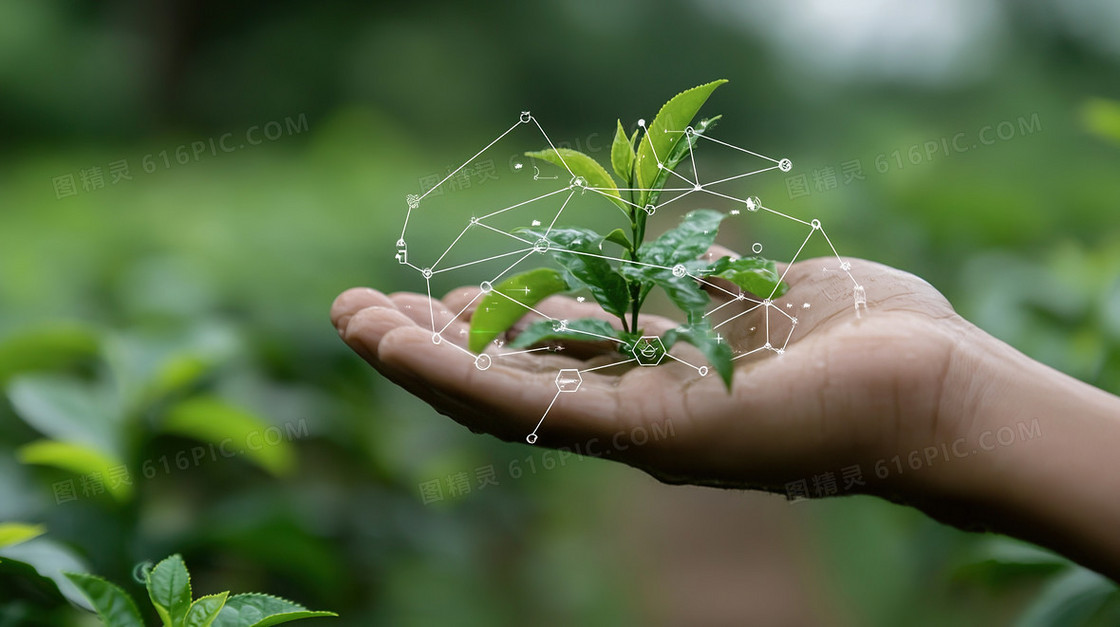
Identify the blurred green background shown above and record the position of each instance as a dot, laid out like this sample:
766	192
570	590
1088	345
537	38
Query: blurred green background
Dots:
186	185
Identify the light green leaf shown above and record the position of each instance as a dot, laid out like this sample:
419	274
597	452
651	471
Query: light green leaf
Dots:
112	604
666	130
622	155
205	610
211	419
66	408
696	233
47	349
580	252
715	349
79	459
169	588
580	329
618	236
14	533
754	274
578	164
262	610
508	301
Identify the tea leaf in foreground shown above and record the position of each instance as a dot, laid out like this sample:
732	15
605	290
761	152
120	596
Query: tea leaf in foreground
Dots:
112	604
580	330
508	301
580	252
261	610
715	349
666	130
622	155
205	609
169	587
695	235
754	274
594	175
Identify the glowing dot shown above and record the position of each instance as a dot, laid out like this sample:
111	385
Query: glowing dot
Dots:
703	370
436	339
427	272
525	117
785	165
816	224
679	270
642	123
486	287
757	248
482	362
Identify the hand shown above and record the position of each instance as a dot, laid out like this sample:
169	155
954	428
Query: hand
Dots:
845	391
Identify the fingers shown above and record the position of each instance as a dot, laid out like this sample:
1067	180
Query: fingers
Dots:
354	300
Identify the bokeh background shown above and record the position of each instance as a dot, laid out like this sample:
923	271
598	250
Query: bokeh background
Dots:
186	185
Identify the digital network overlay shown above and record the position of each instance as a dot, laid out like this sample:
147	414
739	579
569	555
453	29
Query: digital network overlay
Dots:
547	208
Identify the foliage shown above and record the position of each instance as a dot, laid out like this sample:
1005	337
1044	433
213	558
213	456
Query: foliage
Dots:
671	261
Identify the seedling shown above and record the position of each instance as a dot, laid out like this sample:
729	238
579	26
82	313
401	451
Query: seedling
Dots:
620	283
169	588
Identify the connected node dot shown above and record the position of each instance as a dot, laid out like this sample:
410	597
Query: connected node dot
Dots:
768	346
525	117
793	321
436	339
483	361
642	123
413	201
579	181
679	270
474	220
767	303
781	351
753	203
697	187
531	438
427	272
689	131
485	286
660	166
785	165
649	209
541	245
816	224
703	370
845	266
400	242
757	248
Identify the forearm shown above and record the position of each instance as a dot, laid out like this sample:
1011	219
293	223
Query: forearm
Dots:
1053	474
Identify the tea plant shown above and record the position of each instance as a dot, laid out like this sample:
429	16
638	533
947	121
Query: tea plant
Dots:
643	162
169	589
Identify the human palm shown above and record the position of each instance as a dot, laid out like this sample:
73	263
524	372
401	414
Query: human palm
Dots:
846	389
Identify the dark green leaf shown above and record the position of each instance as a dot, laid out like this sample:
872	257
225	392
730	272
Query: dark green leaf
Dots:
714	348
580	252
696	233
112	604
1069	600
580	329
622	155
169	588
754	274
585	167
205	609
684	291
508	301
261	610
666	130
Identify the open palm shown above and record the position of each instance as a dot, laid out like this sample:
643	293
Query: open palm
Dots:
846	389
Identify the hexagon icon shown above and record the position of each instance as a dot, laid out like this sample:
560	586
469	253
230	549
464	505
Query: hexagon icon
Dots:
648	350
568	380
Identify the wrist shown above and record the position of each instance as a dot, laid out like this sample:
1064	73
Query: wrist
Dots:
1035	454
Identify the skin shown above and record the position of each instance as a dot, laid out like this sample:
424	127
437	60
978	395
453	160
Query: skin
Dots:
908	378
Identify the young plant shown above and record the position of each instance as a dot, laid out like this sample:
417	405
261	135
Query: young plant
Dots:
169	588
620	283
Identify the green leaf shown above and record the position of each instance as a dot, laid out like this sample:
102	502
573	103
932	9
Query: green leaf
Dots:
112	604
585	167
66	408
205	609
754	274
618	236
622	155
696	233
680	151
1069	600
47	349
666	130
261	610
684	291
211	419
79	459
508	301
14	533
715	349
580	252
580	329
169	588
